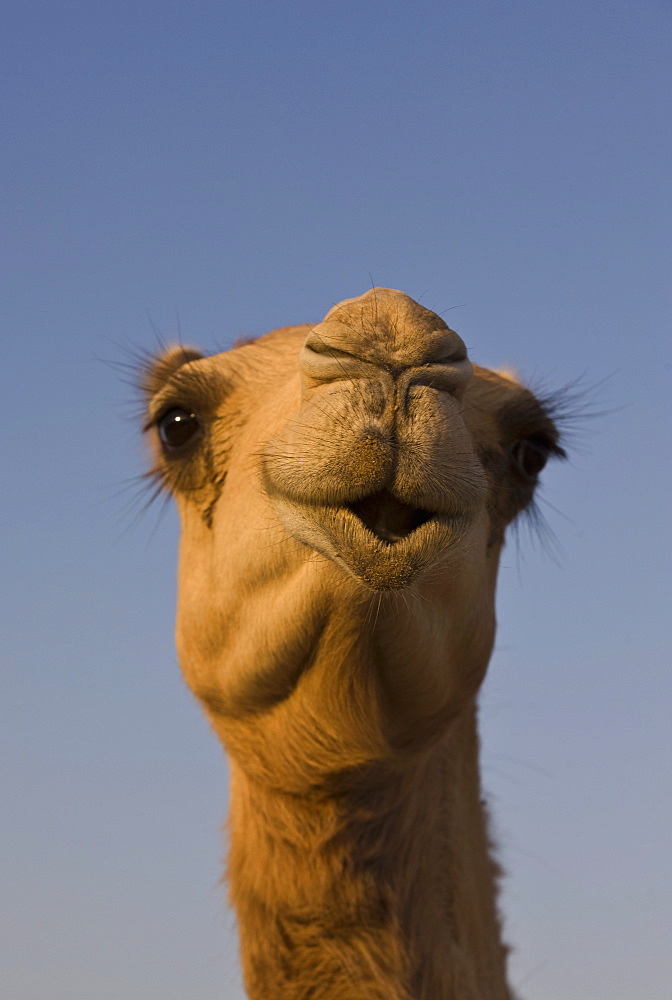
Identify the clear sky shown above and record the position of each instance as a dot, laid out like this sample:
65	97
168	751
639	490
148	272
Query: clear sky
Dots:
226	168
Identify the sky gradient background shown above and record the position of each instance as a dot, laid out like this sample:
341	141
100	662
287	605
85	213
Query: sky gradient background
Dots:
227	168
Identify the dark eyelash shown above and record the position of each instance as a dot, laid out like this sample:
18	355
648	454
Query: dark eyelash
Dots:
571	405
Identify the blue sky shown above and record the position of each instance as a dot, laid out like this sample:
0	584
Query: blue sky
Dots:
223	169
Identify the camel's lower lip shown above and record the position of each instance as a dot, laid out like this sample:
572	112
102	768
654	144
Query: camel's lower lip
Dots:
388	558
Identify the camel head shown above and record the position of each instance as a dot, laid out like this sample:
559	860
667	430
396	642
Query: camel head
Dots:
368	446
369	438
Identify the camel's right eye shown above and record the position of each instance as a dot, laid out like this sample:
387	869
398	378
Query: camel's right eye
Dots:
177	427
530	456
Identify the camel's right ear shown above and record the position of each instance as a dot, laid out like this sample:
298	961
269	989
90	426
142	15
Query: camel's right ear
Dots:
157	372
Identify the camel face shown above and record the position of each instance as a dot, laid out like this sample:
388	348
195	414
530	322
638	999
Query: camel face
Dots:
369	439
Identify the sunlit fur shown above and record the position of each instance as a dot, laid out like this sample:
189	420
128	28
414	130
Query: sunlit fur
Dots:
339	668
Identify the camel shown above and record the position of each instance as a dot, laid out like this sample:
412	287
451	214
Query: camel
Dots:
344	491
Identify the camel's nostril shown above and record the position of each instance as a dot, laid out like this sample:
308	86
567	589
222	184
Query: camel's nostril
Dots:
388	518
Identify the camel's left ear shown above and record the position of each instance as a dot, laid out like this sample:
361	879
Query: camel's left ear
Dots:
509	374
160	368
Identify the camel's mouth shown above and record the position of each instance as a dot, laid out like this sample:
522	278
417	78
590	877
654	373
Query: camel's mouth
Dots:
380	540
387	518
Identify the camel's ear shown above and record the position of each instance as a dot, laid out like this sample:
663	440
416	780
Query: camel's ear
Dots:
509	374
160	368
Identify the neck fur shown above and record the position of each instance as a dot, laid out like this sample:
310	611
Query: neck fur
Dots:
381	890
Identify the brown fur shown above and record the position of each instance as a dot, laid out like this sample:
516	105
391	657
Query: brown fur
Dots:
343	501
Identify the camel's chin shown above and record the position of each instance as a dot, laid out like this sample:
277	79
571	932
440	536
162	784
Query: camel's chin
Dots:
379	563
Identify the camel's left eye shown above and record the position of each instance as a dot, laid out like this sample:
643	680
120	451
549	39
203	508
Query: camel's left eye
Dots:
530	456
177	427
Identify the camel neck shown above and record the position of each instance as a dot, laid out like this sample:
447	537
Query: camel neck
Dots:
382	889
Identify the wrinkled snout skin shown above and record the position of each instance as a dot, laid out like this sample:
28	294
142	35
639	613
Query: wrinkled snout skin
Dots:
383	382
377	409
